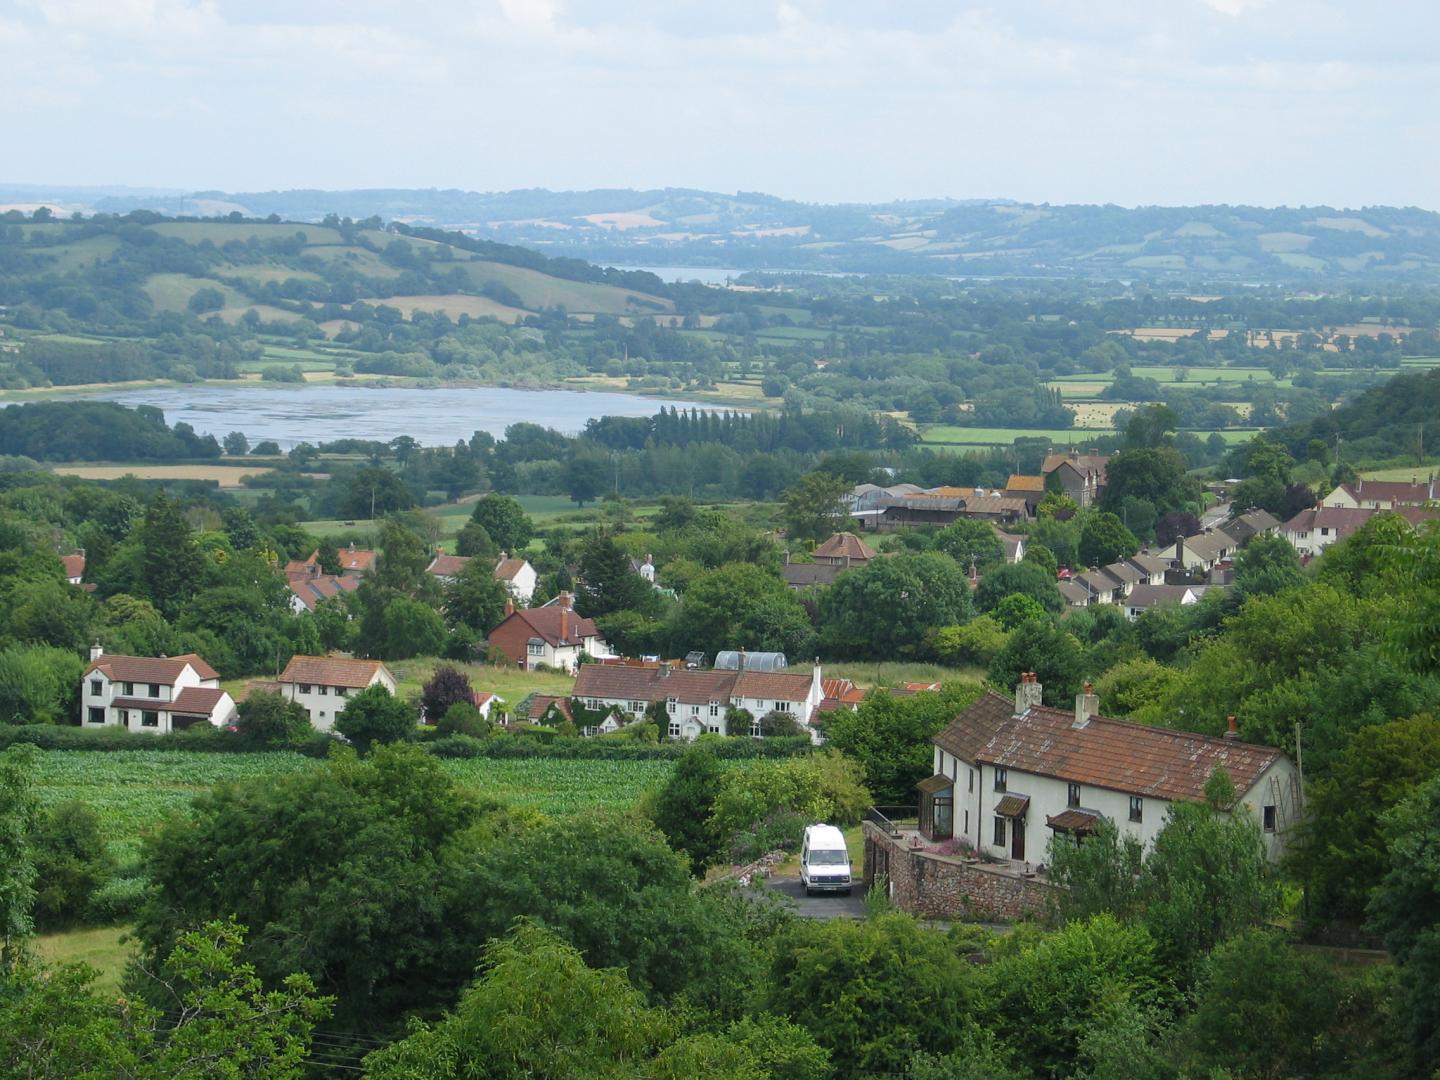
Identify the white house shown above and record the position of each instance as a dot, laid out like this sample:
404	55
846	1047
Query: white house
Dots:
553	635
1006	770
1384	494
697	701
322	684
1144	597
446	568
152	694
518	576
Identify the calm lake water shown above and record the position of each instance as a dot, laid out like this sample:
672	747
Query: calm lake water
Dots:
437	417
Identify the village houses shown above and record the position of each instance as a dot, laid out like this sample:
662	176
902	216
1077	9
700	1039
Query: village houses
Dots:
696	701
152	694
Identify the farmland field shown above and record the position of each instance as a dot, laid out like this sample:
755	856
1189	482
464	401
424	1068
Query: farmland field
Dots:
131	790
228	476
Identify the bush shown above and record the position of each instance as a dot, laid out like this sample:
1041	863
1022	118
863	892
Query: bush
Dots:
71	863
376	716
118	900
267	719
463	718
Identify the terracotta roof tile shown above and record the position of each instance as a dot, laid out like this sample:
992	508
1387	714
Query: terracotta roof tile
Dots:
1020	482
773	684
545	623
506	569
1156	762
356	561
149	669
74	565
447	565
331	671
1072	821
844	545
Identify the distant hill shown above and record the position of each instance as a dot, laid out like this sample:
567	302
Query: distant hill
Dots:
747	230
1382	422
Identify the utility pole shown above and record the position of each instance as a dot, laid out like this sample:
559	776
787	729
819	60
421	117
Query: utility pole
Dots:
372	501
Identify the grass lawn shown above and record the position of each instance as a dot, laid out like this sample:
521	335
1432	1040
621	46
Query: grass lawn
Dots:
510	683
100	947
1402	473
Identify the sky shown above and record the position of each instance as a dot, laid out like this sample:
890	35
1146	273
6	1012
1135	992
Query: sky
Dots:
1135	102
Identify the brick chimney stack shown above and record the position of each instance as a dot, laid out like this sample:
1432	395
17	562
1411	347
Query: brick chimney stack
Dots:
1087	704
1230	732
564	616
509	606
1027	694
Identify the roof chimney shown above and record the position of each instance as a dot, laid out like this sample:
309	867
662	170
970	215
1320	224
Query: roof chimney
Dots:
665	669
1087	704
564	616
1230	732
1027	694
96	651
509	606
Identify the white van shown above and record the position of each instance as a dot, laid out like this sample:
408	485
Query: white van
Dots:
824	861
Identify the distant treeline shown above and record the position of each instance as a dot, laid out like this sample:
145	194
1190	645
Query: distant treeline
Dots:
1384	421
98	431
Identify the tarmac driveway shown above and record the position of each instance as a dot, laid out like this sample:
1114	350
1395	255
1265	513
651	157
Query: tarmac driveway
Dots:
822	905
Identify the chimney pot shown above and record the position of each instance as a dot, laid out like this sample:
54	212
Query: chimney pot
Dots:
1230	732
509	607
1087	704
96	651
1027	694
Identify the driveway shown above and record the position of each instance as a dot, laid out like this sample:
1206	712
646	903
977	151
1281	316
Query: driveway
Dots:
822	905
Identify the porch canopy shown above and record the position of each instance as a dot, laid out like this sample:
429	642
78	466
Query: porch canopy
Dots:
935	785
1073	821
1013	806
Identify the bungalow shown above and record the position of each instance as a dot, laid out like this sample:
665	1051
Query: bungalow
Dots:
152	694
323	684
843	549
1100	586
800	575
1080	476
697	701
1075	594
307	592
1026	766
1144	597
1152	567
552	635
518	576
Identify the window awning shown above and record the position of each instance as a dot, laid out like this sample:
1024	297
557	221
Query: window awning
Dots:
1073	821
1013	806
934	785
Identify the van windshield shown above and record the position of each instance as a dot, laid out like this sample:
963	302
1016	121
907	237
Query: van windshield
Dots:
829	858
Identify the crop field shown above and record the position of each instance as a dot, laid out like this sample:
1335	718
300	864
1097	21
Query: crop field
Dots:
952	434
132	790
453	305
228	476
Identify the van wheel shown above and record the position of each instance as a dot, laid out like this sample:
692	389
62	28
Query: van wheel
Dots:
809	891
847	892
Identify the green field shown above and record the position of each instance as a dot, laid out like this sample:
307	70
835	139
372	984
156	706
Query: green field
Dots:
539	290
132	790
954	435
102	948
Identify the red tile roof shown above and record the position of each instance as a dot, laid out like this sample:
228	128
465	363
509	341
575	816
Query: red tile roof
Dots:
311	590
1402	491
74	565
540	704
545	623
844	545
773	684
356	560
1094	463
1020	482
1113	754
330	671
506	569
149	669
447	565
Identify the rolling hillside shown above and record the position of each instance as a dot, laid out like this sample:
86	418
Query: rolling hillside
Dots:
746	230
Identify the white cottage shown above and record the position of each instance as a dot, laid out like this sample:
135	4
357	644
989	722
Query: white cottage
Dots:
152	694
323	684
1009	773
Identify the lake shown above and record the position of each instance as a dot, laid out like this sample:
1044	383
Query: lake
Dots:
435	417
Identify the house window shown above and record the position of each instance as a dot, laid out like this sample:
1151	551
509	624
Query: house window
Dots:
972	780
999	837
125	717
1137	808
713	729
129	689
322	690
96	688
1072	795
1001	776
782	706
154	689
340	691
714	708
97	716
149	718
536	648
967	822
671	704
755	728
593	704
674	729
304	688
1269	818
322	715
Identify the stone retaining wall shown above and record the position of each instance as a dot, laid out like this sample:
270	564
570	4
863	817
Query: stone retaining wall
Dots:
944	888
